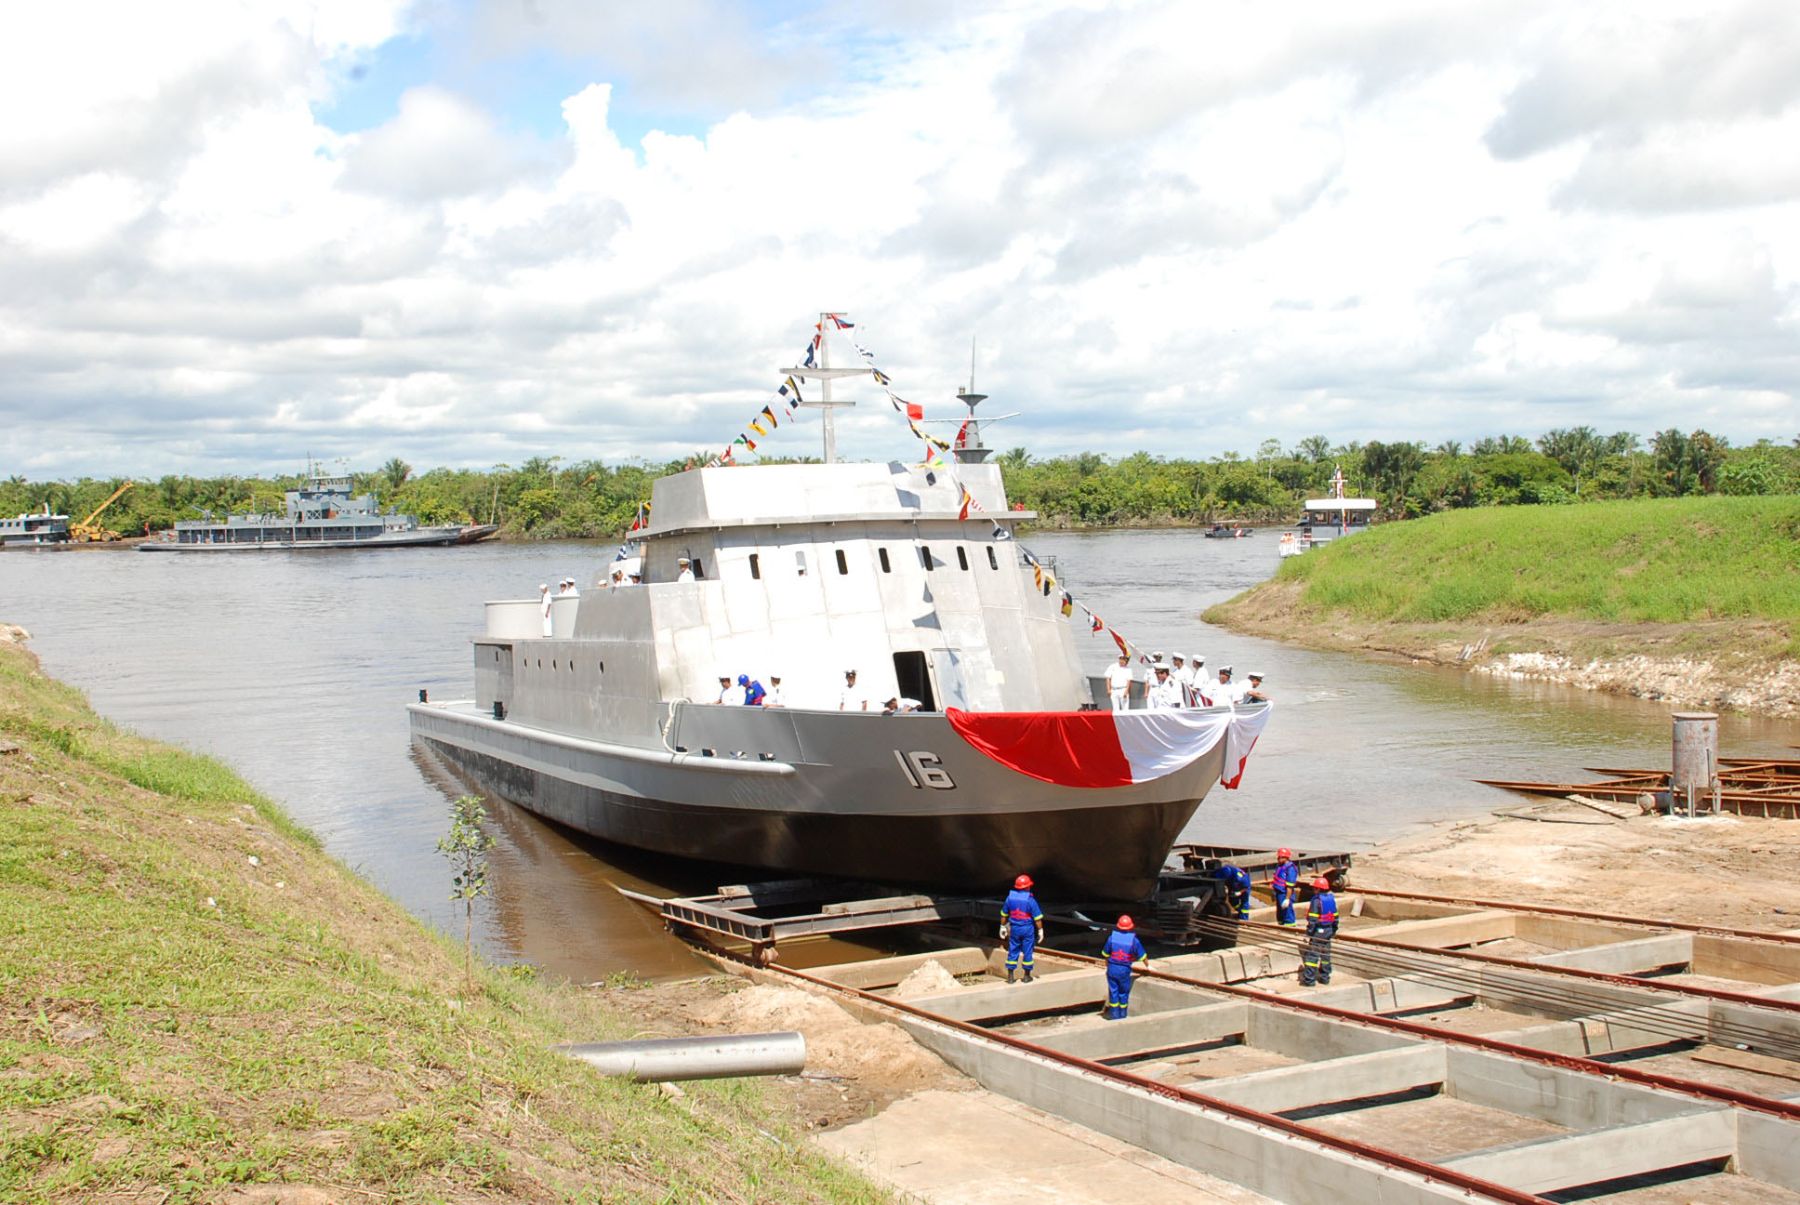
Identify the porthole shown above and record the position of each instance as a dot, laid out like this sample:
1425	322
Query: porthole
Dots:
843	562
756	566
962	557
885	566
993	561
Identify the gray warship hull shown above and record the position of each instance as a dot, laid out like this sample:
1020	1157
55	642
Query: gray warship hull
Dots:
899	799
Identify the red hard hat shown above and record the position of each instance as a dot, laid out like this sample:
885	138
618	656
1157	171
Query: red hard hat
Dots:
1321	884
1022	883
1285	852
1125	924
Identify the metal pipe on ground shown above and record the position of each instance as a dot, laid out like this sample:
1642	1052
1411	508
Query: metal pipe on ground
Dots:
657	1060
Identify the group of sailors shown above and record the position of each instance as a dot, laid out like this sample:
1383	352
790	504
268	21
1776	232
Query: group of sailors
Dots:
1180	682
748	692
1022	928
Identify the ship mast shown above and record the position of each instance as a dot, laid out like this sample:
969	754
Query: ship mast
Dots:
970	449
825	374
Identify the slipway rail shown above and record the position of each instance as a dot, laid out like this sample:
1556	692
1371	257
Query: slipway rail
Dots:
1647	922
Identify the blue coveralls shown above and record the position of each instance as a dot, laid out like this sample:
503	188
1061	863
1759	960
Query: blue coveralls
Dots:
1321	927
1281	886
1022	916
753	692
1237	890
1120	951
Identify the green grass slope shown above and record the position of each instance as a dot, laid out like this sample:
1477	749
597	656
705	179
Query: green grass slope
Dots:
1650	562
194	997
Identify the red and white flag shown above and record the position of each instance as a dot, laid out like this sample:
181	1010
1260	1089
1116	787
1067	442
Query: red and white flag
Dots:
1110	748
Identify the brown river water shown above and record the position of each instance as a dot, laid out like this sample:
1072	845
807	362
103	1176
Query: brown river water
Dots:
296	669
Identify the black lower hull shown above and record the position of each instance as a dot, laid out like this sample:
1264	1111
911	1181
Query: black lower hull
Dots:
1081	853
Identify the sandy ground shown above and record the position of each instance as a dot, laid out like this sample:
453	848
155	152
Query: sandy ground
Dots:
870	1095
1736	871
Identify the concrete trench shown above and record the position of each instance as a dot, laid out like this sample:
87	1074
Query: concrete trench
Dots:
1531	1127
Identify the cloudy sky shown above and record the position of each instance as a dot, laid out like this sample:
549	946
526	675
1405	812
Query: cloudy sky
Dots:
467	232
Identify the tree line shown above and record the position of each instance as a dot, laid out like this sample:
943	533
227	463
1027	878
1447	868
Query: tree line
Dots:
544	498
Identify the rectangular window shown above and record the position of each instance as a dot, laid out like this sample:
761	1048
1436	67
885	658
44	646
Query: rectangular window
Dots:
993	561
699	570
885	567
756	566
925	557
962	557
843	564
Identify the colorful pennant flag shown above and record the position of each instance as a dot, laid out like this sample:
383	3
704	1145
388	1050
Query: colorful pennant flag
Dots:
769	413
1068	607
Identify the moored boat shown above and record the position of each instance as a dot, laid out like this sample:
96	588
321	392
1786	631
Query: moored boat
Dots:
1325	519
35	530
324	513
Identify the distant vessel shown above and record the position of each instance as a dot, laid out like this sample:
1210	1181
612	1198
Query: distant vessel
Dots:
1323	519
34	530
1236	531
597	711
323	513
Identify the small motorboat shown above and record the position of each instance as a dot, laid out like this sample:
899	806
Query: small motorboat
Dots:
1221	531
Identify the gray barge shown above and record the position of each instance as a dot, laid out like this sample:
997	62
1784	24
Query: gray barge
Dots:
322	513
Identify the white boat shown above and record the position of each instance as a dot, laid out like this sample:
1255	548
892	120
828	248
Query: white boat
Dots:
1324	519
605	720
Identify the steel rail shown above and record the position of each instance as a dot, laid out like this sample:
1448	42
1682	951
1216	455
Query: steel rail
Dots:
1563	1001
1432	1173
1568	1062
1792	939
1631	981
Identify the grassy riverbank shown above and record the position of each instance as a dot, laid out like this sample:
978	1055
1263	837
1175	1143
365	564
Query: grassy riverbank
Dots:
194	997
1654	596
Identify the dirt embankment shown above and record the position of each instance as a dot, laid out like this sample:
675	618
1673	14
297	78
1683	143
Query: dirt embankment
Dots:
1733	665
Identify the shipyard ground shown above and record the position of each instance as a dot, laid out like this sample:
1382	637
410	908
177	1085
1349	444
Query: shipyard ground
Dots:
937	1135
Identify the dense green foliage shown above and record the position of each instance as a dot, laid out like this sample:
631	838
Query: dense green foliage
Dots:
1653	560
545	499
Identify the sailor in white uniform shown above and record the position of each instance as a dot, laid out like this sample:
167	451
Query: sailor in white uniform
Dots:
776	697
1118	682
544	600
853	697
1225	692
684	570
1197	687
1183	678
1163	694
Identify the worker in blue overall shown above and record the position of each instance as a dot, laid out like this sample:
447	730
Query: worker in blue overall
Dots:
1283	884
1321	927
1122	948
1022	925
1237	890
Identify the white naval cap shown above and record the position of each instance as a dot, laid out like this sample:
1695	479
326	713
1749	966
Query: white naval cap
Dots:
1257	674
543	585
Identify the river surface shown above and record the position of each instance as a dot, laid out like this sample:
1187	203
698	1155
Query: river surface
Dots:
296	669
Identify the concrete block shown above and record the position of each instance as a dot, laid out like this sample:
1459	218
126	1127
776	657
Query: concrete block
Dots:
1389	996
1313	1038
1151	1034
1444	932
1549	1164
1571	1099
1627	957
1568	933
1331	1080
1752	961
1769	1149
1062	992
1235	965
